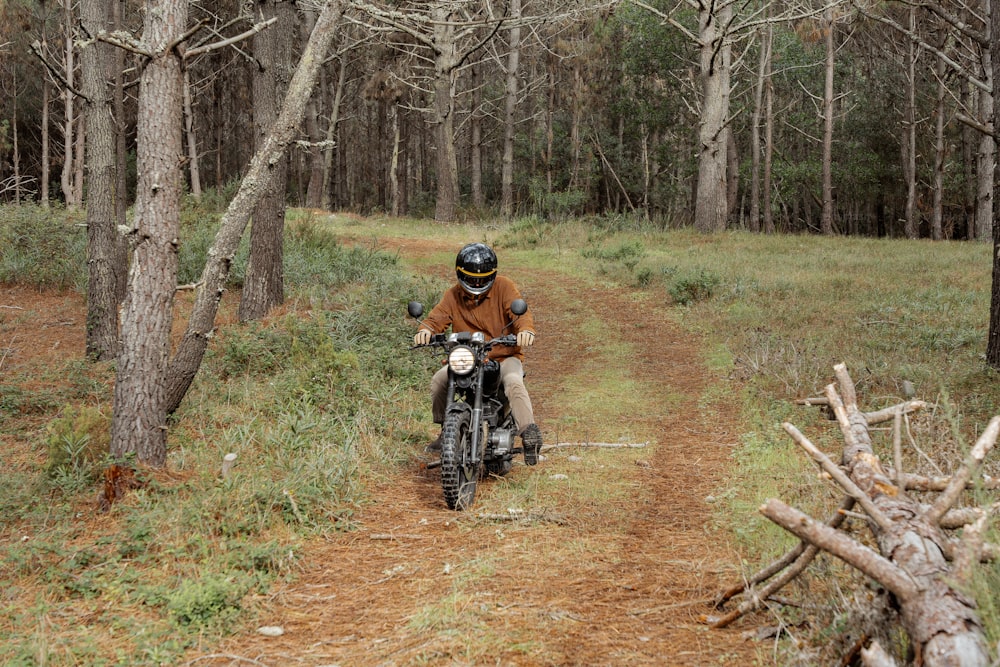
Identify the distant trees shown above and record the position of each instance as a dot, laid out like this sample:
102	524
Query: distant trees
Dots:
544	108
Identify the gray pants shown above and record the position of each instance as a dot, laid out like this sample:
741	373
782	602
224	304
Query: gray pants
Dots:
512	376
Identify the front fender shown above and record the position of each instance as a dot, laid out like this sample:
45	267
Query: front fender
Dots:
458	406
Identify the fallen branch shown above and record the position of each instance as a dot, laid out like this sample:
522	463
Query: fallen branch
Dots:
606	445
911	553
524	517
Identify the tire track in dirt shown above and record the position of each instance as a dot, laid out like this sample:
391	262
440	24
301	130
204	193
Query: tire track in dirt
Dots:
621	582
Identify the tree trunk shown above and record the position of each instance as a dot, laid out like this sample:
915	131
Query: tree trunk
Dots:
768	137
331	135
711	198
44	195
185	363
263	286
316	159
192	142
69	119
826	220
993	339
139	424
937	232
986	156
909	144
106	251
758	109
509	107
476	139
445	62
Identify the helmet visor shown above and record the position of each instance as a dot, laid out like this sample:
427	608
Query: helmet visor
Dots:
476	283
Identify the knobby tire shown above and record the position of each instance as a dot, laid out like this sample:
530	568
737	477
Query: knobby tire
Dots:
458	478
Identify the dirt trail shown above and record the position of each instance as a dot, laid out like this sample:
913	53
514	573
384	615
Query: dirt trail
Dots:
621	581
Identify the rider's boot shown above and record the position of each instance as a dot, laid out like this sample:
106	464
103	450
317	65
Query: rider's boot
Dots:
434	445
531	441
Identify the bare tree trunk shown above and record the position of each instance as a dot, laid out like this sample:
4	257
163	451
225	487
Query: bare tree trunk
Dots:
909	144
509	107
185	363
44	196
576	123
16	155
711	200
768	137
331	135
986	157
394	190
476	139
139	425
106	251
69	119
758	109
968	167
192	143
263	286
826	221
121	150
316	160
445	63
937	232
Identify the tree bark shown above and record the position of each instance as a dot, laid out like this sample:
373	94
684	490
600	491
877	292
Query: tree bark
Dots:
711	199
509	107
192	141
139	422
106	250
263	285
937	215
826	220
445	64
910	226
185	363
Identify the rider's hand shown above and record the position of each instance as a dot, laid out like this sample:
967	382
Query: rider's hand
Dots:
525	338
423	337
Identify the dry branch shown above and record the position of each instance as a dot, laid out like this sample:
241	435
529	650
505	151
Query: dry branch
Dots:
606	445
911	559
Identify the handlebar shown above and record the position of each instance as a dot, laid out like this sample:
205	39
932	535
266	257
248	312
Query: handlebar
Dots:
441	340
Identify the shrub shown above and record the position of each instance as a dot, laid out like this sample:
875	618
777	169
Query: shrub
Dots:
693	287
42	247
77	444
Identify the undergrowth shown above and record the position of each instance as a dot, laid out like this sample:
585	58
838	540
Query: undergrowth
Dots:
314	401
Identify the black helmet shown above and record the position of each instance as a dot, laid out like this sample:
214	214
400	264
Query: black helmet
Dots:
476	268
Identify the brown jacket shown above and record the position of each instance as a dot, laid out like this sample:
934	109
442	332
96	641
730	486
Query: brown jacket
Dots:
488	313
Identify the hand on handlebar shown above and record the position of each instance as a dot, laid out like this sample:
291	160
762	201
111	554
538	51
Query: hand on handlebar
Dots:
423	337
525	338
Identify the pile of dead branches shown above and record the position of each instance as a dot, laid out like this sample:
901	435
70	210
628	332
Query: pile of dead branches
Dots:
920	562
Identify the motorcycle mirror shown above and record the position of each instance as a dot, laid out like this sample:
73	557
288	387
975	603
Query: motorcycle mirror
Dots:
415	309
519	307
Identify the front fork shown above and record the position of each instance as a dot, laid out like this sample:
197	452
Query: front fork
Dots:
476	426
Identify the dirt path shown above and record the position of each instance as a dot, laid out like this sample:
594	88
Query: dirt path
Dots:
621	580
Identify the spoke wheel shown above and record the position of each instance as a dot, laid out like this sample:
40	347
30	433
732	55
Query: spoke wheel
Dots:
458	475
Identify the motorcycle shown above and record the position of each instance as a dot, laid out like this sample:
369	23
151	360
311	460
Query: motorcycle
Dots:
478	433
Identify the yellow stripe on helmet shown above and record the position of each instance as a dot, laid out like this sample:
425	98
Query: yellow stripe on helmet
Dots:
475	275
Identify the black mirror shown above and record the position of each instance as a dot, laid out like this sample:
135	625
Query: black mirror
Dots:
415	309
519	307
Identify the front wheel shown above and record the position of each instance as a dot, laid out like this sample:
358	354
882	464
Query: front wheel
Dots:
459	476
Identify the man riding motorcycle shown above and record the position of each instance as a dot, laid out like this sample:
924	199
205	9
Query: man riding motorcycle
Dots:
480	301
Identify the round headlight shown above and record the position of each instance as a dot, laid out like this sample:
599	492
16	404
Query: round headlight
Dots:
461	360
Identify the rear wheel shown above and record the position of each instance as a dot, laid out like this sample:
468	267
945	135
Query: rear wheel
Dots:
458	475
